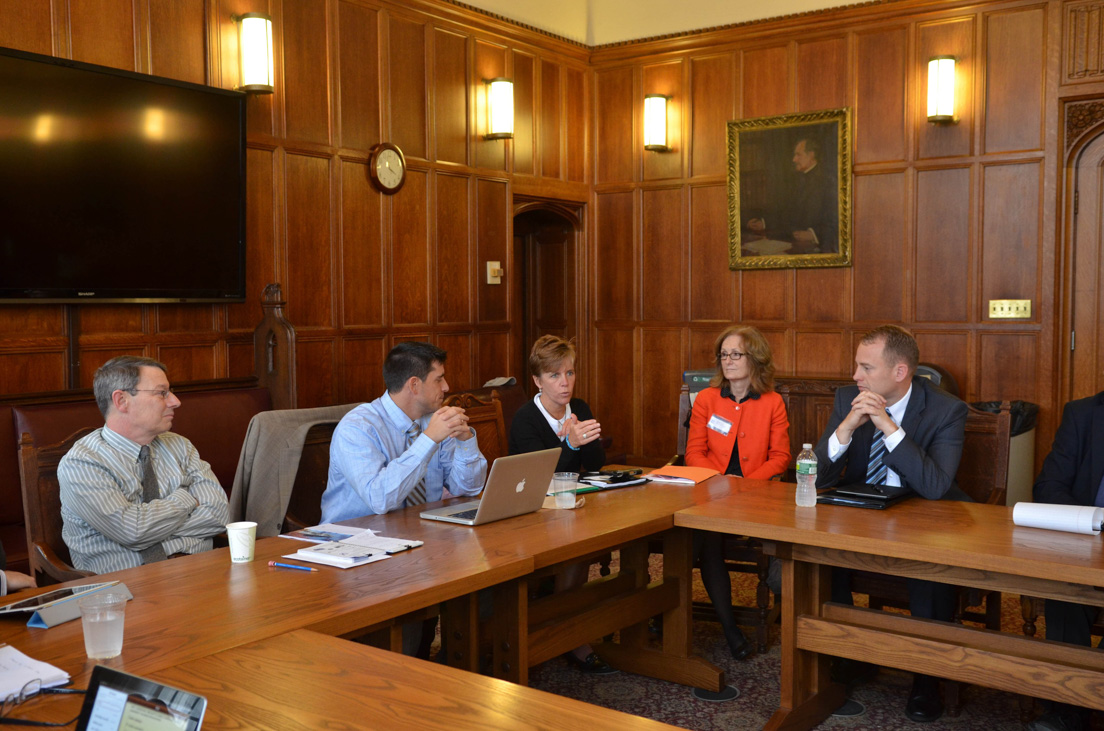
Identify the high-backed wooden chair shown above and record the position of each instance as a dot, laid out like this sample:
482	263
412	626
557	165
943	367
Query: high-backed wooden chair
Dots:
305	506
48	554
742	555
485	416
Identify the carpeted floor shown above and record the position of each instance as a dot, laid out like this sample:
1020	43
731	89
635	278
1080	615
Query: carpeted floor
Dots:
757	680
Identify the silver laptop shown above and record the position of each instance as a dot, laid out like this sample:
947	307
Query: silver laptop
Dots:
516	486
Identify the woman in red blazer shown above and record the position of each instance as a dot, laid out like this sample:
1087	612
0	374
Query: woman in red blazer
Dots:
738	426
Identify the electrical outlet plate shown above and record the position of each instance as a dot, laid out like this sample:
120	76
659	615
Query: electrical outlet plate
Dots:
1010	309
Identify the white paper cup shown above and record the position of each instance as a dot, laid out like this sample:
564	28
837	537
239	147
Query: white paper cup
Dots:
564	485
102	617
242	537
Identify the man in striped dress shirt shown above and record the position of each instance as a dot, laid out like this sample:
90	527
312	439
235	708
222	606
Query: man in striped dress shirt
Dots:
896	428
132	492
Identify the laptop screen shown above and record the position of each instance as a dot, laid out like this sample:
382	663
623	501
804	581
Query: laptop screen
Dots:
118	701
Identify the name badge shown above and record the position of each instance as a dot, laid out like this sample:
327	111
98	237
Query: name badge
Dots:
720	425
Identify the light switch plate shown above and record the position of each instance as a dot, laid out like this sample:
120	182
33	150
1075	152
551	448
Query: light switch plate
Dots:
494	272
1010	309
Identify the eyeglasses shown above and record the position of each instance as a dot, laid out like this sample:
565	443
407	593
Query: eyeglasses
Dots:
30	690
163	393
725	355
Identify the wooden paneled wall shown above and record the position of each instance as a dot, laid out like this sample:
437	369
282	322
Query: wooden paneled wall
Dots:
360	270
945	217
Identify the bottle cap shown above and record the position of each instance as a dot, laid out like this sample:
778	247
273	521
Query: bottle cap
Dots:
806	446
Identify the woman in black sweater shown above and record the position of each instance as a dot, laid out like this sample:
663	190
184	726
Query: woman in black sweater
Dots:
554	419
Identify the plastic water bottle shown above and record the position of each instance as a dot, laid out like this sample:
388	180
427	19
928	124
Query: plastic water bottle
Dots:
806	477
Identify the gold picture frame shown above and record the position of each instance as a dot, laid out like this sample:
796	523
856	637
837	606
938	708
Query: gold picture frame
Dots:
789	191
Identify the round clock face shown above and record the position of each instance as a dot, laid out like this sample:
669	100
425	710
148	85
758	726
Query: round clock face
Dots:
388	168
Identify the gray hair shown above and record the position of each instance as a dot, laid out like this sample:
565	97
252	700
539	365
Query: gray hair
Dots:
120	374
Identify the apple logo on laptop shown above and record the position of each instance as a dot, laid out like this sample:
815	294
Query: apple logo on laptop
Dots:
520	486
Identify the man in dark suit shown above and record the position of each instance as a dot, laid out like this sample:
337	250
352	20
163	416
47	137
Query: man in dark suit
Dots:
894	428
1072	474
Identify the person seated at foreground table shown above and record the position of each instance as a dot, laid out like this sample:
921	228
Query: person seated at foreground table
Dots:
895	428
132	492
13	580
738	426
554	419
403	449
1071	476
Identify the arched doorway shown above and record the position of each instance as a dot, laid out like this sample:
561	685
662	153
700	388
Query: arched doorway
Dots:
549	299
1082	341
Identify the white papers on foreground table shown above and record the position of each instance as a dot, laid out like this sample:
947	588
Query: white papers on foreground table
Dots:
16	670
1070	518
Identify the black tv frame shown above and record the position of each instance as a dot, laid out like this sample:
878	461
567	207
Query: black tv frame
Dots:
91	297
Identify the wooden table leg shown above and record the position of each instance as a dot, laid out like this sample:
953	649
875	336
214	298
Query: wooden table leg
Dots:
808	695
460	632
676	662
510	631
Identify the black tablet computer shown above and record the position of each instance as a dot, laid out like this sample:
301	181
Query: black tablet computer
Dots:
859	495
118	700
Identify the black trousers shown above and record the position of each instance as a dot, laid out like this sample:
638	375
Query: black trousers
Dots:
927	599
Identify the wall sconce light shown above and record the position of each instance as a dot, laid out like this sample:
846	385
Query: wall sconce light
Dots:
255	53
500	109
941	89
655	123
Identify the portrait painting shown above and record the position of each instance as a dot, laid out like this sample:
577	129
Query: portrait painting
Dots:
789	191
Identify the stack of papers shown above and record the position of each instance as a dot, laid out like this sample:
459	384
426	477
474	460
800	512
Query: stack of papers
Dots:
16	670
357	547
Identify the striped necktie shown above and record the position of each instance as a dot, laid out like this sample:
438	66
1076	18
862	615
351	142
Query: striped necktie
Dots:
150	491
876	469
417	496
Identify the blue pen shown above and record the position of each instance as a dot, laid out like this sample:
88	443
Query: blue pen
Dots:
290	566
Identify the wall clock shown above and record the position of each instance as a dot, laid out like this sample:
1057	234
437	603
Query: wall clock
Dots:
387	168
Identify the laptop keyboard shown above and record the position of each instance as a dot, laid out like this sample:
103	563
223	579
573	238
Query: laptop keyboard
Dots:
465	514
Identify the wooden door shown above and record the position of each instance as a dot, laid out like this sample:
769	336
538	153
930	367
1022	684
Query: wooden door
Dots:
1087	300
545	243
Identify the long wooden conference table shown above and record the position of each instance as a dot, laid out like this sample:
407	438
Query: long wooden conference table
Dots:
951	542
200	606
194	614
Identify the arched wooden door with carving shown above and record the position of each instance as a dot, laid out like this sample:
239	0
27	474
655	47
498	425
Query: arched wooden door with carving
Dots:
1084	206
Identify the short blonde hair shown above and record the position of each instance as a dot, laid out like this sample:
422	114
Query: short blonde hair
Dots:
548	352
758	353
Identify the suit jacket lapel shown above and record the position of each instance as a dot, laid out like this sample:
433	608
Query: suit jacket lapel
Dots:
918	401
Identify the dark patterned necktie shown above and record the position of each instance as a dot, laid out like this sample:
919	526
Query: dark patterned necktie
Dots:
150	492
417	496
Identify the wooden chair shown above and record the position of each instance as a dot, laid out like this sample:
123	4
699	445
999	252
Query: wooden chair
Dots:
983	475
485	416
48	554
305	505
742	555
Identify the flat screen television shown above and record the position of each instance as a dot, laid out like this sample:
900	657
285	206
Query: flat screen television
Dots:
117	186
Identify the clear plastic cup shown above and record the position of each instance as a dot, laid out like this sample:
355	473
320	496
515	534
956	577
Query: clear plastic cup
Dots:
102	616
564	485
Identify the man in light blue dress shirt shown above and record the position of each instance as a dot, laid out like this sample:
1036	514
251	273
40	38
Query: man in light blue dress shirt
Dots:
404	448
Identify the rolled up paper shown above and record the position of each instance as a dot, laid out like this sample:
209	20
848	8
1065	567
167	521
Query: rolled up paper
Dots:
1071	518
